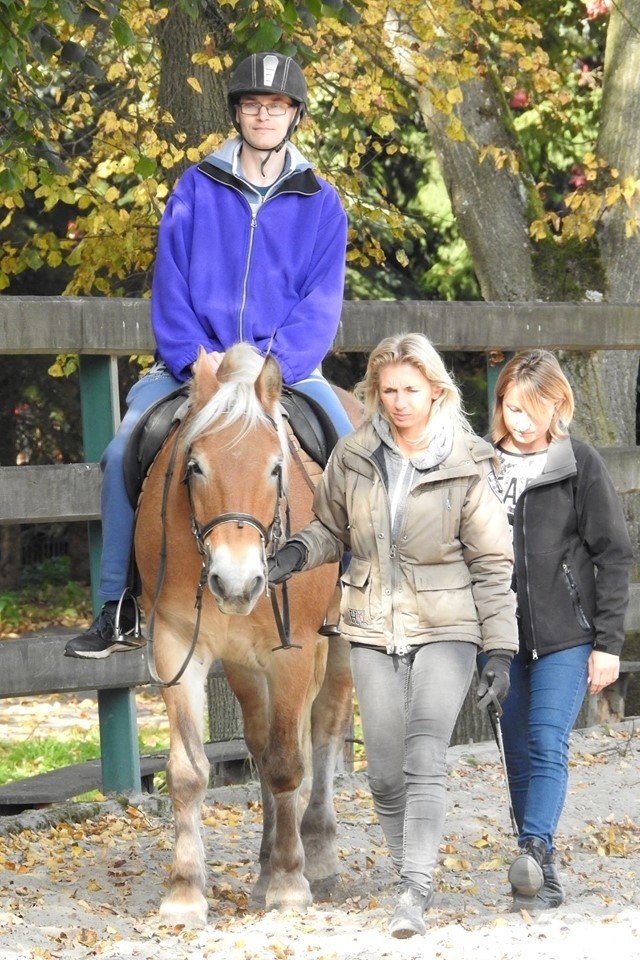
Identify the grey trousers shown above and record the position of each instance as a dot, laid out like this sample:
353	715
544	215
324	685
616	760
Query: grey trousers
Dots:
409	706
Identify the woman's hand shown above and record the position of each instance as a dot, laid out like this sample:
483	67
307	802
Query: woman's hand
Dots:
604	668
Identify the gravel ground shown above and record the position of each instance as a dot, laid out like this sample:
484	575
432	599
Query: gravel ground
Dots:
85	880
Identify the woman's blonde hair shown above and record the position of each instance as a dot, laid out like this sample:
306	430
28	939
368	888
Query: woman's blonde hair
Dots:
413	348
539	377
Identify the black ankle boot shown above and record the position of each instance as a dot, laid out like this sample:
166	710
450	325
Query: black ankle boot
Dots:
550	895
525	873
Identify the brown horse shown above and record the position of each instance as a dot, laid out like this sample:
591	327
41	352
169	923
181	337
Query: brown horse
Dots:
215	503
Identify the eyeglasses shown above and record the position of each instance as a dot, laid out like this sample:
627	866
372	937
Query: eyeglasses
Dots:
252	109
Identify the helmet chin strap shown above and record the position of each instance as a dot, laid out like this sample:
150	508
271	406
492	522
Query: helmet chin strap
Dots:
269	152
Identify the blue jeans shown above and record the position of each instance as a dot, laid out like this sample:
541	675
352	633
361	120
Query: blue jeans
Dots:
116	510
319	389
539	713
408	707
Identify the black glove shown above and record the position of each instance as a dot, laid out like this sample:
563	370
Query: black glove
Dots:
494	679
287	560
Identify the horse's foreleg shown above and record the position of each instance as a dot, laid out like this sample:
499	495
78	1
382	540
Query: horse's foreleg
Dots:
330	717
250	687
291	688
283	773
187	779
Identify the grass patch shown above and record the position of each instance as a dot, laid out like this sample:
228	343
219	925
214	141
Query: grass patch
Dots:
39	755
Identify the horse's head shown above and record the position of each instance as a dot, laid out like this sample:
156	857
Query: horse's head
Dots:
236	455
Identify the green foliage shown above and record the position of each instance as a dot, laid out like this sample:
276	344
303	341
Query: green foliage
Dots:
9	611
87	156
44	598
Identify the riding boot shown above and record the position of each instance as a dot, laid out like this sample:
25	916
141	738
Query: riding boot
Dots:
525	873
408	919
550	895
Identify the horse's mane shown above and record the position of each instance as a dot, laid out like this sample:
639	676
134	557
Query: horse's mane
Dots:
235	401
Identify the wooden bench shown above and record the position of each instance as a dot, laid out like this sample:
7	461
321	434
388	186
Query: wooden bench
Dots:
56	786
34	665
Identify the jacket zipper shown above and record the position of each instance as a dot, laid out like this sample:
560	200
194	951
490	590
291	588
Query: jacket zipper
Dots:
534	651
245	279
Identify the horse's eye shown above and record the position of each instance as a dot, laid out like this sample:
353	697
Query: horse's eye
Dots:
277	470
193	468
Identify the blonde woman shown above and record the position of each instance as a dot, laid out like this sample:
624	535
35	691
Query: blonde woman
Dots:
572	563
428	585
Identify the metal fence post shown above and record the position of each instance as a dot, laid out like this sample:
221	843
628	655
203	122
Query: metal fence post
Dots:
100	408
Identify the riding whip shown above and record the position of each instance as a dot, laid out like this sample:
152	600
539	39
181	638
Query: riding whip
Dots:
495	712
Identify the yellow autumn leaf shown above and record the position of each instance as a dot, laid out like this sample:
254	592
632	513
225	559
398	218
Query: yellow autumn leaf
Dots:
612	194
455	130
456	864
194	84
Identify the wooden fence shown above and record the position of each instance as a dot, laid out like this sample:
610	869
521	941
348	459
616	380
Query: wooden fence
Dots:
100	330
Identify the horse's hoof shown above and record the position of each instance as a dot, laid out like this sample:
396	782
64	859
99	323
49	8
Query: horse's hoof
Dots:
289	897
324	889
185	911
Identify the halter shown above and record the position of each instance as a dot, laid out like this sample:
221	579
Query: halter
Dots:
270	537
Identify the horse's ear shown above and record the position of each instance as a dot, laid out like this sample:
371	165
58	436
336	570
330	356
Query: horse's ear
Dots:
269	384
205	381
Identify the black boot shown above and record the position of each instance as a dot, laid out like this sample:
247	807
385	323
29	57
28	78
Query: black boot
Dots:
525	873
550	895
408	919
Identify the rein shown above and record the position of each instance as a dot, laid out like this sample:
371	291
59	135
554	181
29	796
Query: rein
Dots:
270	537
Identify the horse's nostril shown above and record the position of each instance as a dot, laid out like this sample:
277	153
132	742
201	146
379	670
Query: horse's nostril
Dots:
216	586
257	586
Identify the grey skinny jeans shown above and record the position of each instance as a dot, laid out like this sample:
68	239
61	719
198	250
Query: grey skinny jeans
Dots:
409	706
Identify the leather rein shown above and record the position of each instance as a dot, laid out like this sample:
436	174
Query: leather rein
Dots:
270	538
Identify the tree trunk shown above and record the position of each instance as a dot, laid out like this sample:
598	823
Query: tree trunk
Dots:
196	114
487	201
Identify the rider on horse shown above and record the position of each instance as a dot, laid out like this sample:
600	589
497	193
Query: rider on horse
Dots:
251	247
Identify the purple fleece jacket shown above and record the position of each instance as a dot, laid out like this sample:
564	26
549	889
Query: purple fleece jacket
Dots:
274	279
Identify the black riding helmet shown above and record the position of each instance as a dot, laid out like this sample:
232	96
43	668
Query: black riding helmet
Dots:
268	73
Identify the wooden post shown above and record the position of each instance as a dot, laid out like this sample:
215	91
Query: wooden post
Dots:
116	708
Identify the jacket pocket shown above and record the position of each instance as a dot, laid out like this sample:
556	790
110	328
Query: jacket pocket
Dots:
443	595
356	593
574	594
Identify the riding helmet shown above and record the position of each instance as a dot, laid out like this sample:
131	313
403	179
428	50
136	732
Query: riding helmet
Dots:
268	72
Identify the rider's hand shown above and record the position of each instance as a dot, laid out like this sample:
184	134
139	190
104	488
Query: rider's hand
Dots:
286	561
494	679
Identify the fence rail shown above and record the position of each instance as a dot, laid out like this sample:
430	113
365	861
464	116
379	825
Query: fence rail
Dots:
100	330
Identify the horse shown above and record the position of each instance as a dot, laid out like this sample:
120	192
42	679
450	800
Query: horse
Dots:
218	498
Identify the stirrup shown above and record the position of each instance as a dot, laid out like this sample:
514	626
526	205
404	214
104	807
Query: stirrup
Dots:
329	630
135	639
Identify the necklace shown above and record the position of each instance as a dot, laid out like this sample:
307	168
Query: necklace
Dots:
411	443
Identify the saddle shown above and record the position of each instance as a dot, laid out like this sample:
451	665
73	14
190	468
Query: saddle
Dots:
310	425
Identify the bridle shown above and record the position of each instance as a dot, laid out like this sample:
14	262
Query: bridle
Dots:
271	537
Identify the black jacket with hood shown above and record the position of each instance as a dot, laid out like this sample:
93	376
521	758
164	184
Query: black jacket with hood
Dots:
572	554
